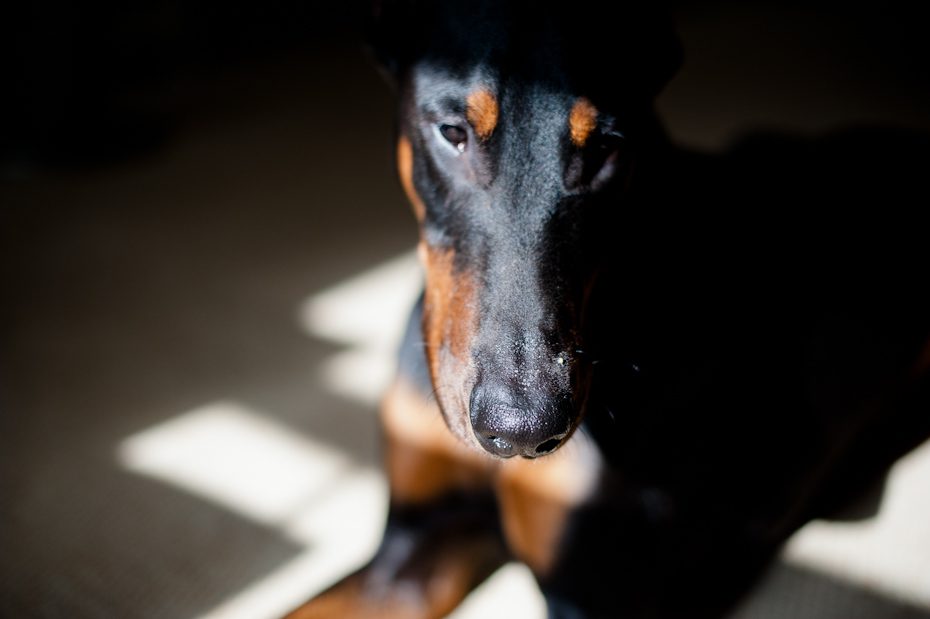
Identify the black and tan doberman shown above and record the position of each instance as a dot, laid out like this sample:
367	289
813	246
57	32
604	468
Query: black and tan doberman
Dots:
634	369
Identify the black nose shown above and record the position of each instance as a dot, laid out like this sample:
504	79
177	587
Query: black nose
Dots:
508	426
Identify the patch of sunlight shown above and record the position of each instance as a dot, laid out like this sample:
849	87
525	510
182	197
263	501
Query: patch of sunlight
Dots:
511	592
887	553
313	494
237	458
367	314
240	459
344	528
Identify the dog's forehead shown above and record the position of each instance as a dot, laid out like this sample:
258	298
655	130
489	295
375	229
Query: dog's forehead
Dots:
482	92
442	85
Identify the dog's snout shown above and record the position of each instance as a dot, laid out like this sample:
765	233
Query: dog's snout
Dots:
506	425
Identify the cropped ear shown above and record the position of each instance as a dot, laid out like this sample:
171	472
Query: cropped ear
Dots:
627	50
454	32
392	34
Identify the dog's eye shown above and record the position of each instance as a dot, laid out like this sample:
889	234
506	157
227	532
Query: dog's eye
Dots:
598	162
611	142
454	135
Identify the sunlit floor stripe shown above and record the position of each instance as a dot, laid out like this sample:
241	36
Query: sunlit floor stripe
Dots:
342	531
359	374
889	553
367	309
311	493
236	457
367	314
242	460
248	464
511	593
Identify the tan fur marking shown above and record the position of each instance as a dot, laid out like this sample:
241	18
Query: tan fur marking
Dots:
405	170
581	121
356	598
449	309
348	599
482	112
449	325
533	526
424	460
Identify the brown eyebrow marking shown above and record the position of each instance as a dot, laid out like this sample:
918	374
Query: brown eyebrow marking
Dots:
582	120
482	112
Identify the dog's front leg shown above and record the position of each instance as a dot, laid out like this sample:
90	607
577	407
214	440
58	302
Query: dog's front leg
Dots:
543	504
442	536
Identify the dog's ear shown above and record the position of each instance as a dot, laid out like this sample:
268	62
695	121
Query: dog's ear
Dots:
630	48
392	34
626	49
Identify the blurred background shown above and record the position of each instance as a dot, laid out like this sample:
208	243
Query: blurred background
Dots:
205	261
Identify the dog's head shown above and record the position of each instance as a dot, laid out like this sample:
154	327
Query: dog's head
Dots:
520	124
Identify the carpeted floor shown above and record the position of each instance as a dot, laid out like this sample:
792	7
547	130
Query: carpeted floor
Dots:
193	338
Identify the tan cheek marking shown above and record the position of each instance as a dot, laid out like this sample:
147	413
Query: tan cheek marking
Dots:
435	307
449	325
581	121
405	170
482	112
449	306
424	460
537	497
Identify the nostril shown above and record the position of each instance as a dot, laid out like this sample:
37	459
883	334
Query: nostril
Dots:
547	446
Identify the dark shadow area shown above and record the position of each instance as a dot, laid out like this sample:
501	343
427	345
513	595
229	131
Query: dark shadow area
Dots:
176	177
770	313
97	83
800	67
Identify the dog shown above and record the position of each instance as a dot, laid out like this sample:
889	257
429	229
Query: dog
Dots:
634	369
